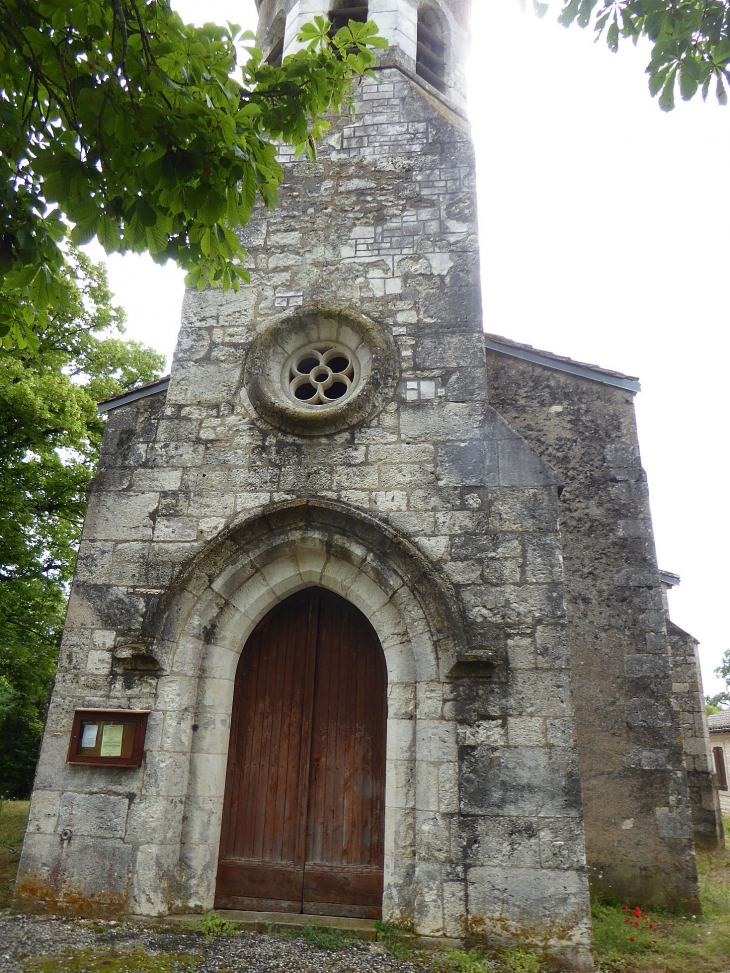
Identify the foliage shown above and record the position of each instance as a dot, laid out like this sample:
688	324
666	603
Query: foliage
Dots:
121	120
715	703
690	40
324	938
212	924
399	941
49	440
471	962
13	817
684	943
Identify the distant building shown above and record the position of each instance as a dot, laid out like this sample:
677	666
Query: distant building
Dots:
719	726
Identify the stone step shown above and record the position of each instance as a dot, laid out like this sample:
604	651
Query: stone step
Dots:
286	921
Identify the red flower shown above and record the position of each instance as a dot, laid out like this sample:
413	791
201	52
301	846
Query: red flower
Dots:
637	912
627	921
631	939
625	908
654	941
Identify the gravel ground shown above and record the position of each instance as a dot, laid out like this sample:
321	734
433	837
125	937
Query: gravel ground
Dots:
22	937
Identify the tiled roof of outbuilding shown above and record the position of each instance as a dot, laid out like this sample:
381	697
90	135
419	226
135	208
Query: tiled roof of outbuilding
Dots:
719	722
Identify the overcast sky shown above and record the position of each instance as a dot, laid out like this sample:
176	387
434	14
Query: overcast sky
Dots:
604	235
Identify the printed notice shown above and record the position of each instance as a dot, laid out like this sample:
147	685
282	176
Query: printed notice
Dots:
111	741
88	737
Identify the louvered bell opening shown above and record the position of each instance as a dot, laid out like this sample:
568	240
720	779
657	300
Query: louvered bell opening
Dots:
276	53
345	11
430	50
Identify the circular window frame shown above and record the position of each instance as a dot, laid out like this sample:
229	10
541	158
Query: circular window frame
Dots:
372	351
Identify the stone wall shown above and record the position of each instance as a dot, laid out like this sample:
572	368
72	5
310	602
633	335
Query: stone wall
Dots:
429	512
690	700
638	822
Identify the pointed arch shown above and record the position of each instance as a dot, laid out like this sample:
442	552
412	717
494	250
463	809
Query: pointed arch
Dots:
200	631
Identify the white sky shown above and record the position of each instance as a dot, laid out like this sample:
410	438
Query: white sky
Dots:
604	235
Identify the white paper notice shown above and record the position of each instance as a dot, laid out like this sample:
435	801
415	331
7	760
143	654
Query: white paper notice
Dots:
88	737
111	741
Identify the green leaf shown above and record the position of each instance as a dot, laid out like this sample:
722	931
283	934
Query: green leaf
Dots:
107	233
666	98
612	37
687	82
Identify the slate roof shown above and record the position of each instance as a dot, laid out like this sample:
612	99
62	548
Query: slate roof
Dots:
719	722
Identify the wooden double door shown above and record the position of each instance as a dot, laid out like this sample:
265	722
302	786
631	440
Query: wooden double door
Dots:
303	816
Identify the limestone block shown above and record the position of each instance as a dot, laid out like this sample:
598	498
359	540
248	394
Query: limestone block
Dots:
202	821
155	820
400	739
430	700
555	900
208	774
165	774
436	740
154	876
520	781
428	904
526	731
427	786
552	647
500	841
400	832
120	517
99	661
175	693
562	844
433	836
93	815
521	653
401	701
455	909
44	809
400	783
448	788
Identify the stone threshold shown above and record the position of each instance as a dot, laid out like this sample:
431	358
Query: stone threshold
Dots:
285	921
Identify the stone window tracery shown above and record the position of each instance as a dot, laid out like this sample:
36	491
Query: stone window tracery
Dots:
322	374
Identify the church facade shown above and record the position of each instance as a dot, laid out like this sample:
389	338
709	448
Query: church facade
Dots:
366	618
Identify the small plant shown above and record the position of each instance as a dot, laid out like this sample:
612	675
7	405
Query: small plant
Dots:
212	925
397	940
323	938
638	921
520	961
471	962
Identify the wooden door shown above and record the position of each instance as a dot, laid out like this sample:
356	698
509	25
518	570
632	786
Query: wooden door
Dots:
303	815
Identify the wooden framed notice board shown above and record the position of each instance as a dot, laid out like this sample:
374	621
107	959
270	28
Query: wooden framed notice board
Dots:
108	737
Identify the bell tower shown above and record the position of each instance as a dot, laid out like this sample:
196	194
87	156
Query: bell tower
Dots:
428	39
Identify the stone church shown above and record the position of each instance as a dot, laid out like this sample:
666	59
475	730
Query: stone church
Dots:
367	619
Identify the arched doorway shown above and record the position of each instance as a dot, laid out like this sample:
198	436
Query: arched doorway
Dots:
303	814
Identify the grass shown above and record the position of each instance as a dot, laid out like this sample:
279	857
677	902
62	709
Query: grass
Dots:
13	817
110	961
684	944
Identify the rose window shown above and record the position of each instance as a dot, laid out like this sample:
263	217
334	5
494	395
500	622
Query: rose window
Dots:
320	375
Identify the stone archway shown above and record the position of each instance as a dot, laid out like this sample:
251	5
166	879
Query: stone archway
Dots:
209	615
